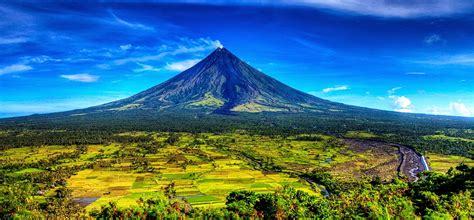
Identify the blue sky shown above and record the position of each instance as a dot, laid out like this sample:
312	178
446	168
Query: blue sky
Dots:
408	56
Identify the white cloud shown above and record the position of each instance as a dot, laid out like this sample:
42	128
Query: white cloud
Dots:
201	44
401	9
82	77
415	73
141	59
14	68
130	24
125	47
145	67
337	88
103	66
400	103
459	108
181	65
42	59
313	93
217	44
432	39
393	90
404	110
14	40
379	8
15	108
435	110
187	46
313	46
457	59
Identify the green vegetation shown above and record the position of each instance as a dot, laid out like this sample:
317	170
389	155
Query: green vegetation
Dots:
99	128
255	107
361	134
212	175
442	163
448	138
208	101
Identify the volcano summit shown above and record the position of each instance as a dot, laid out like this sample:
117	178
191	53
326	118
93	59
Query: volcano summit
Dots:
222	83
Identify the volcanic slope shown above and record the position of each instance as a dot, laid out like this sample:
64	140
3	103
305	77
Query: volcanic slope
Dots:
222	83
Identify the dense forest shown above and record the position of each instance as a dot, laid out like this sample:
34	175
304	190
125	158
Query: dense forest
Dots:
406	129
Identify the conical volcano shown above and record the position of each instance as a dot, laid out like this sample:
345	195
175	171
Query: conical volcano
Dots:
222	83
201	97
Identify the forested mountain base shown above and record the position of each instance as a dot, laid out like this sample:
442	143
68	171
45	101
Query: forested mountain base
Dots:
415	130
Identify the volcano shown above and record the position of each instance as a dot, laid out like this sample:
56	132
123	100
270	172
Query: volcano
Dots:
223	93
222	83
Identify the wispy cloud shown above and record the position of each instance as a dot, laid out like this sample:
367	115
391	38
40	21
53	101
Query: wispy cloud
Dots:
198	45
391	8
45	106
459	108
82	77
40	59
379	8
14	40
14	68
337	88
125	47
393	90
16	26
433	39
130	24
145	68
435	110
415	73
181	65
140	58
312	45
315	93
457	59
186	46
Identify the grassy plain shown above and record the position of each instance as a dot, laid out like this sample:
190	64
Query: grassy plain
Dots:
442	163
360	134
449	138
203	168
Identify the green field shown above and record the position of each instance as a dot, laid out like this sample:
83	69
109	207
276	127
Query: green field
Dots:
204	168
443	163
200	169
448	138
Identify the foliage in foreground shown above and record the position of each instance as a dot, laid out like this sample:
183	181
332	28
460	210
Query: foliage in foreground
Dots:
436	195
